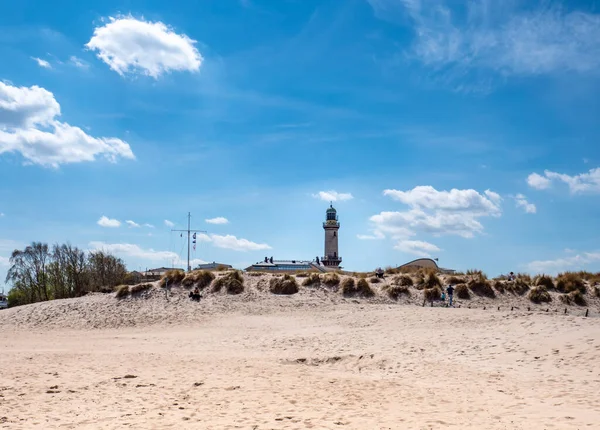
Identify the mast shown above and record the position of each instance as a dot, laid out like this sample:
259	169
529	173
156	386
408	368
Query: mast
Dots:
189	231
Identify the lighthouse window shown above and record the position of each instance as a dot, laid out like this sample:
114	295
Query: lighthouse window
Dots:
334	234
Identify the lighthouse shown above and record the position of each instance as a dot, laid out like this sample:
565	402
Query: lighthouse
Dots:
331	226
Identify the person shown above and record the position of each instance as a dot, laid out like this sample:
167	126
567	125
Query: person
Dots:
195	295
379	272
443	297
511	276
450	291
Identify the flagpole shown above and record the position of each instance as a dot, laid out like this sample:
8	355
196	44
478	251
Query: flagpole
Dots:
189	231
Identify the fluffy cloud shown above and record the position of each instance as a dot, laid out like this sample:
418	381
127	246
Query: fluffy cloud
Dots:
148	225
454	212
135	251
28	126
333	196
578	261
233	243
78	62
42	63
498	36
217	220
538	182
416	247
130	45
523	203
108	222
169	223
132	224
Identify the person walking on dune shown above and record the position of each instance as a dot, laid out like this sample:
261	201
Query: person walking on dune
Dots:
450	291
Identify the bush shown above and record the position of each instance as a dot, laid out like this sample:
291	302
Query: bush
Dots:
363	289
395	291
331	280
403	281
375	280
517	287
540	294
544	281
499	286
198	278
286	285
348	287
122	291
172	277
569	281
481	286
233	282
462	292
431	294
455	281
573	297
136	289
432	280
312	280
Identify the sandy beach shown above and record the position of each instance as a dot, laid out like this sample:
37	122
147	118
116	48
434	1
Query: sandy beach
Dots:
312	360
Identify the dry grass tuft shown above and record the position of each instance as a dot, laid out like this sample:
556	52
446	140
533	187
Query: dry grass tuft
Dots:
233	282
348	287
431	294
476	273
331	280
544	281
499	286
573	297
432	280
517	287
395	291
403	281
303	275
455	280
172	277
526	278
286	285
198	278
462	292
136	289
312	280
482	287
363	289
540	294
255	273
597	291
375	280
122	291
570	281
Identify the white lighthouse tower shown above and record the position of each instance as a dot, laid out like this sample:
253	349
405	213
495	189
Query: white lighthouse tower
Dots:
331	226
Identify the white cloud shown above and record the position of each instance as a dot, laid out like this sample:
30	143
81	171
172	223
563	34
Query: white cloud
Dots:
78	62
232	242
583	183
416	247
333	196
130	45
108	222
42	63
498	36
523	203
28	126
148	225
169	223
454	212
377	235
578	262
132	224
135	251
217	220
538	182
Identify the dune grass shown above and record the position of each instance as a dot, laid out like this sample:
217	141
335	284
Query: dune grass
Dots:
539	294
499	286
121	291
454	280
285	285
431	294
403	281
232	282
574	297
462	292
375	280
136	289
518	287
198	278
312	280
570	281
544	281
172	277
482	287
331	280
395	291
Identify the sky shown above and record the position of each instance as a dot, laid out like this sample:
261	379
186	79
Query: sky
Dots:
466	131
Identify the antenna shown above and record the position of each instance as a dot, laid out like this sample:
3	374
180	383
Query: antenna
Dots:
189	231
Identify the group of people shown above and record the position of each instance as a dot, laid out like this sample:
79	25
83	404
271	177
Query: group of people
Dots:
450	292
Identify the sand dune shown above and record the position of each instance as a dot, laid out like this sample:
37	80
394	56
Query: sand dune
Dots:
313	360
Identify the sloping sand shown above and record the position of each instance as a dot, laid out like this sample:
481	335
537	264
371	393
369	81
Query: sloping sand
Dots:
313	360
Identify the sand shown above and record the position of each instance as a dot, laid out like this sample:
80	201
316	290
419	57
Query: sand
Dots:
313	360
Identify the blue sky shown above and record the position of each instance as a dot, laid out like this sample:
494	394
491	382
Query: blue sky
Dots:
463	130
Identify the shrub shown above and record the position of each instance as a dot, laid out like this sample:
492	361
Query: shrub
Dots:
481	286
363	289
432	280
198	278
395	291
569	281
313	279
540	294
403	281
122	291
331	280
517	287
499	286
286	285
348	287
462	292
136	289
431	294
375	280
544	281
172	277
233	282
573	297
455	281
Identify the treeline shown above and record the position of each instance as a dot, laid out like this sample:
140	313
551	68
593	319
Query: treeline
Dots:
39	273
